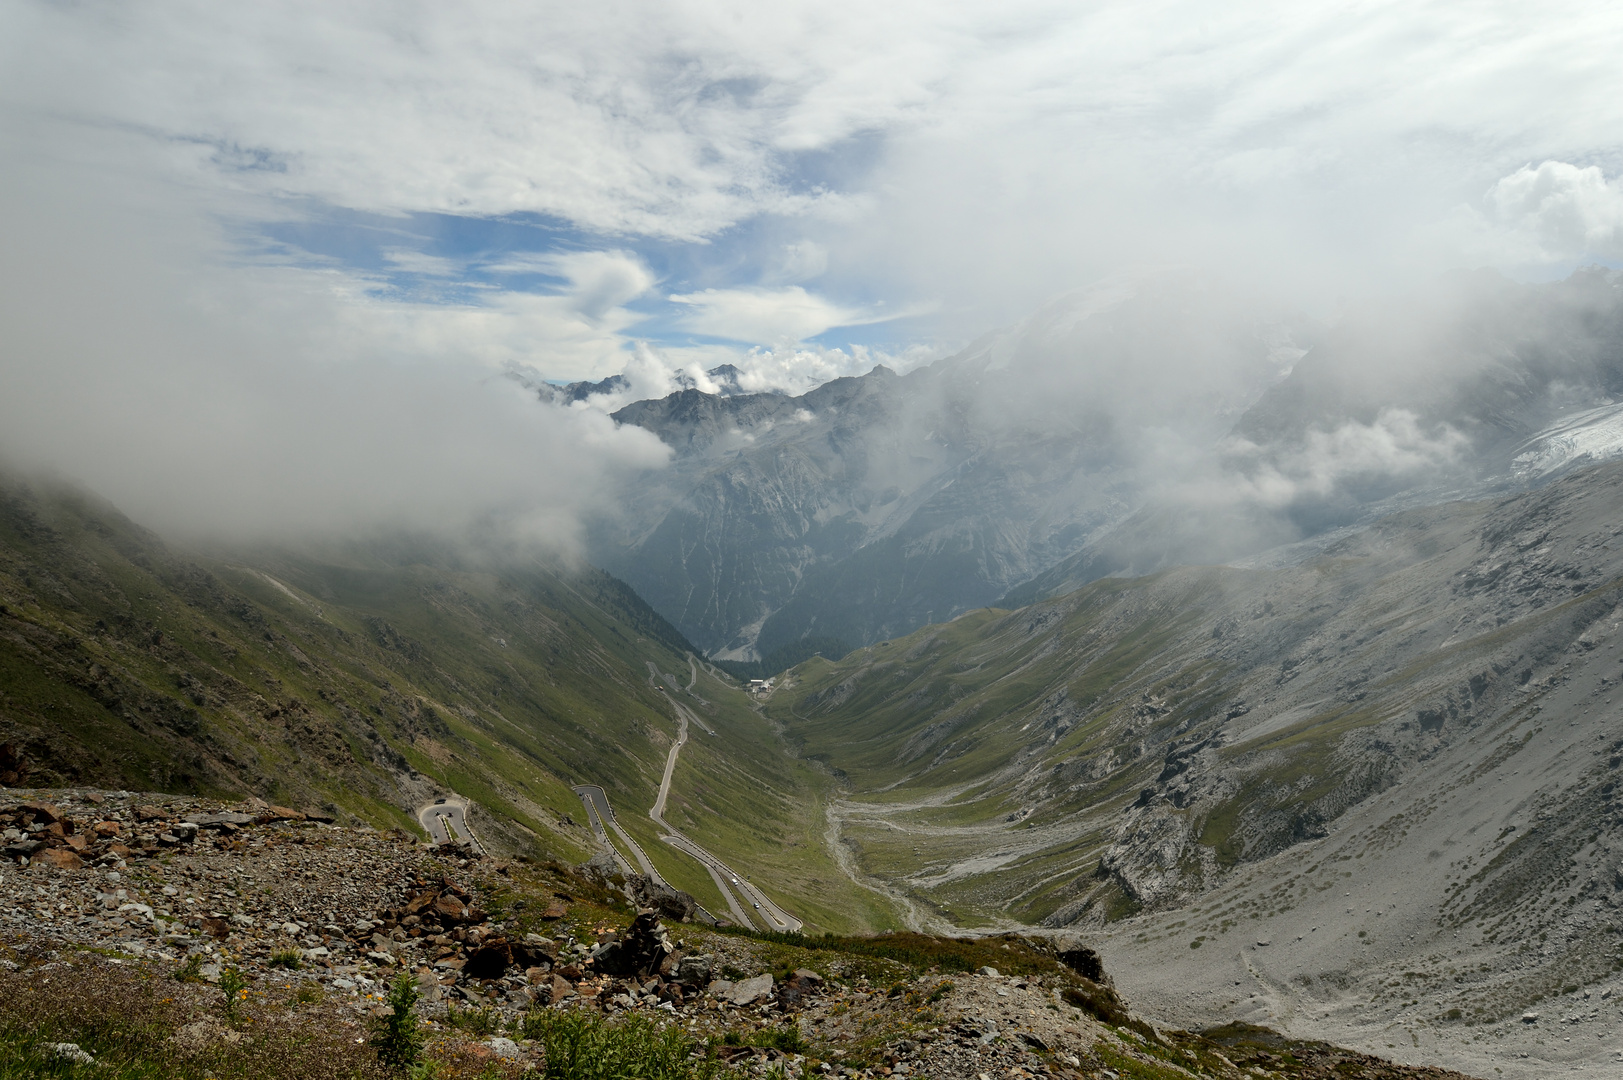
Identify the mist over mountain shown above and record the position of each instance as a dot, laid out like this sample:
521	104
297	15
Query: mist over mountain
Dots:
1147	421
1159	465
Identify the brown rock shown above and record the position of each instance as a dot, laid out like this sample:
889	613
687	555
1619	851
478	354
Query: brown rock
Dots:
281	813
555	910
561	988
450	909
95	798
148	813
120	850
61	858
53	831
77	842
42	811
107	828
417	904
537	975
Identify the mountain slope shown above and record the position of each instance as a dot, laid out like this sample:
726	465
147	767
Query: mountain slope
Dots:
873	505
1420	723
373	679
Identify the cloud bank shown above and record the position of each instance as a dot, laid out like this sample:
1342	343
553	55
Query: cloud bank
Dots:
303	228
236	403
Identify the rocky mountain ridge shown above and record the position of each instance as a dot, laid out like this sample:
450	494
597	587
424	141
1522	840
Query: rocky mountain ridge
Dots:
872	505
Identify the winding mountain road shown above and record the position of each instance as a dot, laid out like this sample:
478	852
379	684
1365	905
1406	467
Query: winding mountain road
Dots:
732	886
447	822
599	812
723	875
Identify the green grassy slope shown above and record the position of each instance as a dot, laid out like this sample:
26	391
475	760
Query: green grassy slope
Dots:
967	737
370	683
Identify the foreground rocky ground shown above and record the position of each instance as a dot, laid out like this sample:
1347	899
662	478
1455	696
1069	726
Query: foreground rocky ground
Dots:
304	923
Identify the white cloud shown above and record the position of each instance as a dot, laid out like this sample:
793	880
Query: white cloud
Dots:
775	316
762	315
601	282
214	398
988	155
796	369
1034	122
1553	214
1394	446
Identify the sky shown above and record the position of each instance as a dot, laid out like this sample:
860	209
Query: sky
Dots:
291	218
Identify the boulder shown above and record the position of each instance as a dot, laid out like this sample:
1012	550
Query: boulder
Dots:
41	811
61	858
645	950
493	959
450	909
668	902
420	903
798	986
21	849
750	991
693	971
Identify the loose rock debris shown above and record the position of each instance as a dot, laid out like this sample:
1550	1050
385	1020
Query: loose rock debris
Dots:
288	898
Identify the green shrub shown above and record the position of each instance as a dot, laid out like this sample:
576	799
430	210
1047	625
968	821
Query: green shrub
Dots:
235	988
787	1038
396	1037
584	1046
290	959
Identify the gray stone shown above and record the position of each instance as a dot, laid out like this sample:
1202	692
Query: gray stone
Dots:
693	971
751	990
